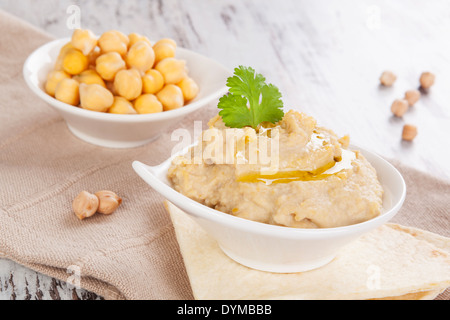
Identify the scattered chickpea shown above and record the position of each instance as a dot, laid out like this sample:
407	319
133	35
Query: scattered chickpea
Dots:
67	91
75	61
108	201
172	69
121	106
128	84
140	56
387	78
84	40
409	132
94	97
399	107
189	88
108	64
53	78
412	96
426	80
171	97
85	205
147	103
152	81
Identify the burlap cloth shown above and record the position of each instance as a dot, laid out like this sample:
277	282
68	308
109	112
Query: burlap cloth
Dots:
133	253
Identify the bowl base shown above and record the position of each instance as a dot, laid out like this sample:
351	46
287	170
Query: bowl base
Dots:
109	143
292	267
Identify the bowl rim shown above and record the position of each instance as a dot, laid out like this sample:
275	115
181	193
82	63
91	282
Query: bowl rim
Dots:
166	115
147	173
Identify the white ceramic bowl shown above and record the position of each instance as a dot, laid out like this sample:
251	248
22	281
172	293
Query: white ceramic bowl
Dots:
124	131
276	248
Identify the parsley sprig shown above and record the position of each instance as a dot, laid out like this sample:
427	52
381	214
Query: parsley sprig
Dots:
250	100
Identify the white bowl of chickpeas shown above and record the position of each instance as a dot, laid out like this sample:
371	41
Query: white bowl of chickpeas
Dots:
122	91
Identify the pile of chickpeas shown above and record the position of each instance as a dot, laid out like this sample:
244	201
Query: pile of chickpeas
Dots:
120	74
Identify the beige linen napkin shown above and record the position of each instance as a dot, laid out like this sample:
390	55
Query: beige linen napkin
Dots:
133	253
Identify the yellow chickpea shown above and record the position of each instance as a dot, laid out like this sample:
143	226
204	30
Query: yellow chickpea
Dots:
121	106
140	56
90	77
61	55
53	78
172	69
171	97
67	91
95	97
163	50
135	37
108	64
128	84
84	40
147	103
152	81
189	88
75	61
168	41
113	41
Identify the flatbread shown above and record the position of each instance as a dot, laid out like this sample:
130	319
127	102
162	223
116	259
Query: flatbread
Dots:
391	262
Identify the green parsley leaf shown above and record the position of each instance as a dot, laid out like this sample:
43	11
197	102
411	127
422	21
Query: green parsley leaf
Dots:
250	100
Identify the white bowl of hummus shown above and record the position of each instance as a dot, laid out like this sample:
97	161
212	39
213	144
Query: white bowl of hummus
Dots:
289	213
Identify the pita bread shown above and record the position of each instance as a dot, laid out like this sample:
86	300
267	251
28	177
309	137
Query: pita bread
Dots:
391	262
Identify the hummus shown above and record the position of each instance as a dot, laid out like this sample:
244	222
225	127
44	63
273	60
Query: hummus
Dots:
293	174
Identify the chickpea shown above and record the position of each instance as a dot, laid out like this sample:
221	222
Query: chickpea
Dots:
171	97
409	132
53	78
387	78
399	107
90	77
152	81
85	205
94	97
163	50
135	37
121	106
172	69
128	84
108	64
426	80
147	103
140	56
189	88
67	91
108	201
84	40
75	61
61	55
412	96
113	41
168	41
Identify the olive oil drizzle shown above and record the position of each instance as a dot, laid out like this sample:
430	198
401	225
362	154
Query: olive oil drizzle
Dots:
323	172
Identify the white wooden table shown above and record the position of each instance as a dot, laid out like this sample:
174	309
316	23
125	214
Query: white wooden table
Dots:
325	56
